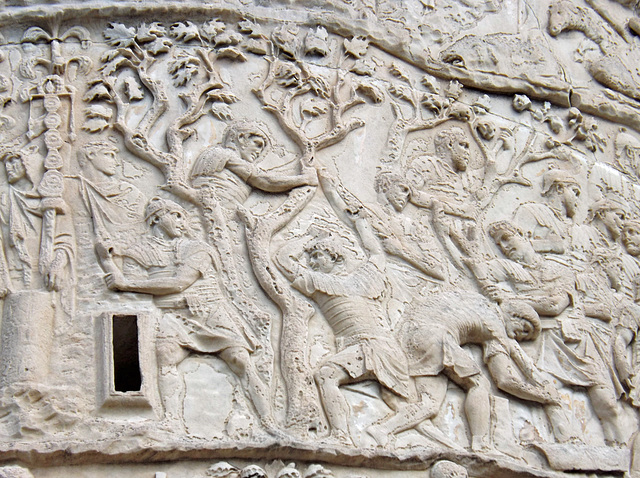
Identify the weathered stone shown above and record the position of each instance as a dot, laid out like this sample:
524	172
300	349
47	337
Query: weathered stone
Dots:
290	239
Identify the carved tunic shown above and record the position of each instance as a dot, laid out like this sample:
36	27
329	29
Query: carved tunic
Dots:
351	305
434	332
201	316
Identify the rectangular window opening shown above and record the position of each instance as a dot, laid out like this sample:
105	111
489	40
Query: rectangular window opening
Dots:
126	357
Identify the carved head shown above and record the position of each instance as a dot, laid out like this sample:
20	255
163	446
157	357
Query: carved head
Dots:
511	241
253	471
627	152
610	213
452	144
561	187
609	263
317	471
324	254
631	237
249	138
166	217
522	322
448	469
101	154
289	471
395	188
19	165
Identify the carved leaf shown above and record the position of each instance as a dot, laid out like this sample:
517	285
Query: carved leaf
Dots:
434	102
227	39
429	82
213	28
222	96
114	65
371	91
401	92
184	75
232	54
399	72
97	92
253	29
159	45
314	107
288	74
95	125
133	89
98	111
183	67
319	86
148	33
109	55
356	47
285	38
454	90
35	34
184	31
119	35
259	46
221	111
363	67
315	42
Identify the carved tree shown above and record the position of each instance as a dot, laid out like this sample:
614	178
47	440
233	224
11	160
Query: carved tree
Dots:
138	50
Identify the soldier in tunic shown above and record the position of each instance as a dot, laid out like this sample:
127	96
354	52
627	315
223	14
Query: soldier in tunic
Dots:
433	334
351	302
569	349
198	316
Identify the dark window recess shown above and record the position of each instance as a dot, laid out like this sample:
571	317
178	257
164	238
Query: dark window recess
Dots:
126	359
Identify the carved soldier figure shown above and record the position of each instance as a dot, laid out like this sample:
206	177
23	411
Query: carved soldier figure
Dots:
198	316
223	177
525	275
627	154
626	351
31	306
607	216
571	353
433	334
549	225
115	205
401	235
631	260
227	174
447	188
350	298
23	220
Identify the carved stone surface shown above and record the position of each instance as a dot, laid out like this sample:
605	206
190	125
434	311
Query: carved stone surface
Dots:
348	239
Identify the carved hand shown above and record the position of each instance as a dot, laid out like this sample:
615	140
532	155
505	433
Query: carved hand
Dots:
116	281
310	176
53	276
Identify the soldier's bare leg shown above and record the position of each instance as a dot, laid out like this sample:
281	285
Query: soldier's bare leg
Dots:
239	361
431	393
329	378
476	407
508	378
169	355
606	406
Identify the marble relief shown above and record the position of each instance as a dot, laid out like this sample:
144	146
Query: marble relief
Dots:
321	239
